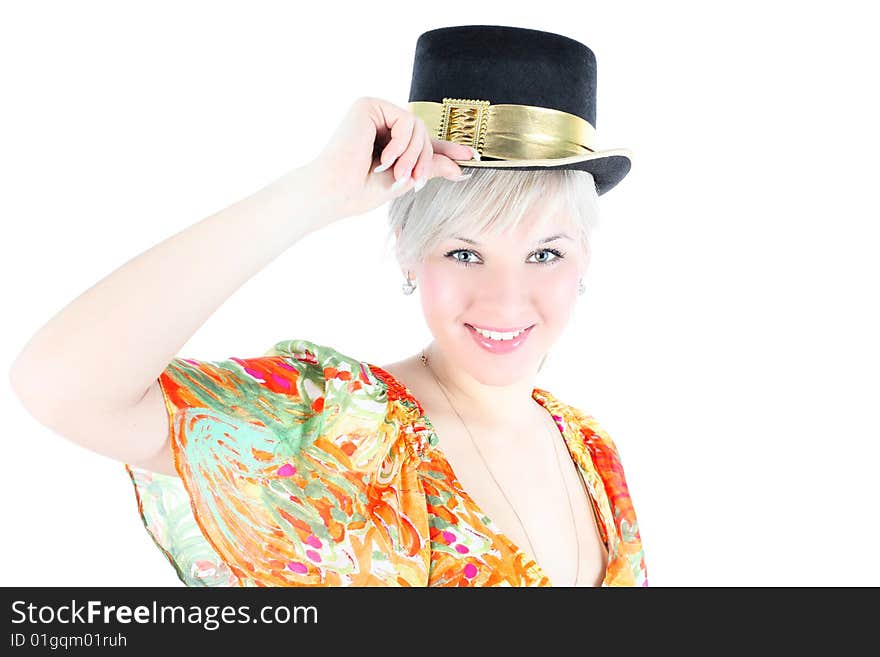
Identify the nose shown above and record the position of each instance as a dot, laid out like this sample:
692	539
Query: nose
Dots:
506	290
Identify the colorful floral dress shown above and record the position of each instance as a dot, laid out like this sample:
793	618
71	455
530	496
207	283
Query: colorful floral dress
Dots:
305	467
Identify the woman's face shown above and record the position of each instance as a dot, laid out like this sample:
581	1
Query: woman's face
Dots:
510	281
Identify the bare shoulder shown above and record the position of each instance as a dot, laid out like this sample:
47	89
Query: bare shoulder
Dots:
410	374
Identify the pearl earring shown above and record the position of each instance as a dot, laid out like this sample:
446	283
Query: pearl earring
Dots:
408	287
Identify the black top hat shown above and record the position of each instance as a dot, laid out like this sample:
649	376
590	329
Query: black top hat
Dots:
525	99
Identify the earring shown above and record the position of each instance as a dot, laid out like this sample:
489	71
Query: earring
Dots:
408	287
581	288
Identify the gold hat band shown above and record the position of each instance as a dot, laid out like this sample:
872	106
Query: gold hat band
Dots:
507	132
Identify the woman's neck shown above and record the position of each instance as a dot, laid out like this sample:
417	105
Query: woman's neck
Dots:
496	410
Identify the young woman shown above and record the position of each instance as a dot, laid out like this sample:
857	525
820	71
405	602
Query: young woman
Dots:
310	467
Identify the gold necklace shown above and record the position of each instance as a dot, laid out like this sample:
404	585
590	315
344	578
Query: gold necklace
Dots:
489	470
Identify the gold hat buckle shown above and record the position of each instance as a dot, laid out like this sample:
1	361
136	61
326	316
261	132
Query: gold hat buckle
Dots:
464	121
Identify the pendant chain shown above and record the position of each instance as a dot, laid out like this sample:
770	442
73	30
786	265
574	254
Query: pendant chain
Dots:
489	470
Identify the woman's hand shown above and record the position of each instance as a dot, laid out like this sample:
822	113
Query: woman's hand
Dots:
376	134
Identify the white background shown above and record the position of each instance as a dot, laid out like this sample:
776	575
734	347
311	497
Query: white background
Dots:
728	337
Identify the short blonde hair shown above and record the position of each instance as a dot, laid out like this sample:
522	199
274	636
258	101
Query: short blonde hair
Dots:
492	200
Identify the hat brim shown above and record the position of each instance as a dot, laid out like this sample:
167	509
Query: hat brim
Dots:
608	167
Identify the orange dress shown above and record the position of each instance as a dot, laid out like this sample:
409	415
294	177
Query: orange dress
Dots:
306	467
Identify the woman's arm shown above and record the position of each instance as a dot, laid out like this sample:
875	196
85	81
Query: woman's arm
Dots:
91	372
101	354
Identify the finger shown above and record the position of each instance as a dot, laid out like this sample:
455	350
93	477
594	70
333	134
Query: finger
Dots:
424	167
408	158
401	126
445	156
453	150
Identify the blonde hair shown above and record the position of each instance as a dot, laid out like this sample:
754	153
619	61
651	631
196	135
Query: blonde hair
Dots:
491	201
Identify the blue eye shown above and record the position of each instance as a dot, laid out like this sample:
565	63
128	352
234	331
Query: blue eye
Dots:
452	254
559	255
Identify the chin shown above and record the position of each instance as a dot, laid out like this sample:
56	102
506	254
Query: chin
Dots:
500	370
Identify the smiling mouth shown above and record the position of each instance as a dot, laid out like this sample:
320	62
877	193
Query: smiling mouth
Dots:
495	330
501	336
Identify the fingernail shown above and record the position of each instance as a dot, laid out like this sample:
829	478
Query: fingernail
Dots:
460	177
381	168
400	183
420	183
476	153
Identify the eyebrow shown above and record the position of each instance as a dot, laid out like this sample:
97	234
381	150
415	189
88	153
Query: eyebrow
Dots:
543	241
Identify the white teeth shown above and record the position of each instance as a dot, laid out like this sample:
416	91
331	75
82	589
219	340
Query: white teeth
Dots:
492	335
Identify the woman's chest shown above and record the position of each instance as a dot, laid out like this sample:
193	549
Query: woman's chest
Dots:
505	507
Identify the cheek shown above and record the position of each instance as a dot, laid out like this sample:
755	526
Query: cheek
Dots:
561	289
555	301
443	296
447	296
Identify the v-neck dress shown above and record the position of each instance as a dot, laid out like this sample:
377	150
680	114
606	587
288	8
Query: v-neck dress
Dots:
307	467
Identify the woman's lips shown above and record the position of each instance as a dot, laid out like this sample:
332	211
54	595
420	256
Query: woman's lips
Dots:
499	346
499	330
